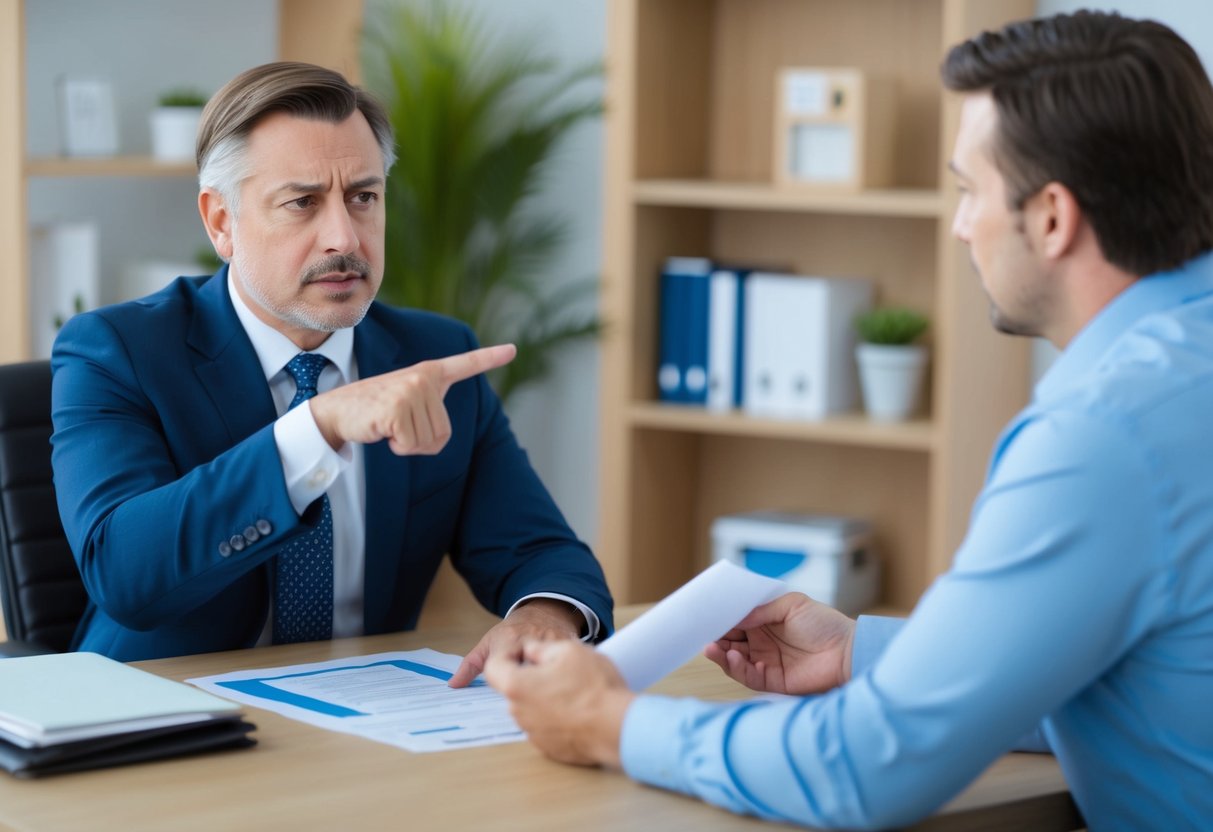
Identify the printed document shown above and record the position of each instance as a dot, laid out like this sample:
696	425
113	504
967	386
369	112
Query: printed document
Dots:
402	698
399	698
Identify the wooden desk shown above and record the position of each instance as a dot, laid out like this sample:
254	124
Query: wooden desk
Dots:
301	778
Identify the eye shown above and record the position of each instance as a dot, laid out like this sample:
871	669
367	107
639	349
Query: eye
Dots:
365	198
301	203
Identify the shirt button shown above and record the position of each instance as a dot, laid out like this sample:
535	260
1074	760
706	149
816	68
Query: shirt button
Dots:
225	549
251	534
264	527
317	478
237	542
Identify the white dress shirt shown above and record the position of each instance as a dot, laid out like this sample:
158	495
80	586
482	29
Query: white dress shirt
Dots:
311	467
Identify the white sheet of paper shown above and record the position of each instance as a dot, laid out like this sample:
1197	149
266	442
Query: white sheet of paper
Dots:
678	627
398	698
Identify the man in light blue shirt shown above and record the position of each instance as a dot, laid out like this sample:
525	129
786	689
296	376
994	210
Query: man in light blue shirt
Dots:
1081	601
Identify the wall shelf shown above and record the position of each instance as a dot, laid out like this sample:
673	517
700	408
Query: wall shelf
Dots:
52	166
843	429
757	196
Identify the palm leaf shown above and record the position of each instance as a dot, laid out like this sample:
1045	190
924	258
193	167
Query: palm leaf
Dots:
477	122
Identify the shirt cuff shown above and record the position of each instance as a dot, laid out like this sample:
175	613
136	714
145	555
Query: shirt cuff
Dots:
872	634
591	620
309	464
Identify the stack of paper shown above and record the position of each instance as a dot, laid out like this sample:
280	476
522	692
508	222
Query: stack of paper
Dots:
73	711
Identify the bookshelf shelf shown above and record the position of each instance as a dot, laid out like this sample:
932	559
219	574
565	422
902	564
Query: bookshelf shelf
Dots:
901	202
690	142
843	429
109	166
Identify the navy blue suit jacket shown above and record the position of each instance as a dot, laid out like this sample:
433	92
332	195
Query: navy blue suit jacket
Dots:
163	448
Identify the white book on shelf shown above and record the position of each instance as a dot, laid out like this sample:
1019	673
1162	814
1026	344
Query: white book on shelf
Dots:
724	333
799	341
64	278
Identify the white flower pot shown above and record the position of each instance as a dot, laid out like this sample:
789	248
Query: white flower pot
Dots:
174	133
891	379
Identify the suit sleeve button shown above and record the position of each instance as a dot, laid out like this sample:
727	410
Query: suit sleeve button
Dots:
252	535
225	549
264	527
237	542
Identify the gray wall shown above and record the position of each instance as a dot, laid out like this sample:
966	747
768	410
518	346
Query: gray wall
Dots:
1192	19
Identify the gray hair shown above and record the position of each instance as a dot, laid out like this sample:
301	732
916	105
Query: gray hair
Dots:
300	89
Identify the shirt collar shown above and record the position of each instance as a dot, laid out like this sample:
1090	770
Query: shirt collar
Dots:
1146	295
274	349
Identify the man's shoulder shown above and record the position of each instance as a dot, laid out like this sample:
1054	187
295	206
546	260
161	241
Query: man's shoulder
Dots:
155	328
179	298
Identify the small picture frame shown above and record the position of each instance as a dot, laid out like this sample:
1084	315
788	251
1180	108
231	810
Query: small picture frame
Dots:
833	129
86	117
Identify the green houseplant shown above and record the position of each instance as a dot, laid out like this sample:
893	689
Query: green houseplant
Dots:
891	365
477	121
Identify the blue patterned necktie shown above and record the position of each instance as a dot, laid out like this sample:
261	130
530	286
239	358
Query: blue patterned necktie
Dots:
303	584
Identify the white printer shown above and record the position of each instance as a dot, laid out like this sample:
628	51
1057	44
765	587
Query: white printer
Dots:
828	558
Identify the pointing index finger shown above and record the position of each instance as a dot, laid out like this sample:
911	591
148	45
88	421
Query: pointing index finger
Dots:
456	368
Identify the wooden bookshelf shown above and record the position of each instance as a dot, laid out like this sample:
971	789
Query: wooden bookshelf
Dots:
690	114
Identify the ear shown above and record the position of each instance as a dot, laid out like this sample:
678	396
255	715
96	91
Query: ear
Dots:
217	220
1053	219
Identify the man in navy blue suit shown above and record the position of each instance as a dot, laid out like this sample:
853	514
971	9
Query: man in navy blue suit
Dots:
267	455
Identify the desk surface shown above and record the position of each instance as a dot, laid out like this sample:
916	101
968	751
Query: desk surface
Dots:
301	777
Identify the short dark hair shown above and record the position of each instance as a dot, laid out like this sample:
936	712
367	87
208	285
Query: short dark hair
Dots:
299	89
1120	111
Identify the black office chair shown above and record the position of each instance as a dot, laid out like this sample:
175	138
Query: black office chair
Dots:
40	585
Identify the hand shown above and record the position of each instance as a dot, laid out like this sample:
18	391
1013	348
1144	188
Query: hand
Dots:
539	619
569	699
791	645
404	407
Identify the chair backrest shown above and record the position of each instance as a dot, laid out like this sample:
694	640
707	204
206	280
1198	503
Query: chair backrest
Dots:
40	584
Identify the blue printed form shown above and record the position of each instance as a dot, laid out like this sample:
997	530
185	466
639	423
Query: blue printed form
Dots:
399	698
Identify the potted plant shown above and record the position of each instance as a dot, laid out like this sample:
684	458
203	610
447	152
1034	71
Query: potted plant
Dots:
174	124
891	364
477	121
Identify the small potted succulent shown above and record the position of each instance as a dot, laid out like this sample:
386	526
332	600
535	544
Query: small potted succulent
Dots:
891	365
174	124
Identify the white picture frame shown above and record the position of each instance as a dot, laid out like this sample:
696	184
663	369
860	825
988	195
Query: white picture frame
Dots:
87	122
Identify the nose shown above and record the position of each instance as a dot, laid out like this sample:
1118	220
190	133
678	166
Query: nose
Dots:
960	223
338	235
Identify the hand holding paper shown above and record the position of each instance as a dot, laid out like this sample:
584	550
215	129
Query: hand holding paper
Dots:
696	614
793	645
572	701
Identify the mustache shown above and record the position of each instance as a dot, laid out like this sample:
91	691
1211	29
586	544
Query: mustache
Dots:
336	263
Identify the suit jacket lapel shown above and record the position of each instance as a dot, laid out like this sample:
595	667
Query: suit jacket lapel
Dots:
228	366
387	485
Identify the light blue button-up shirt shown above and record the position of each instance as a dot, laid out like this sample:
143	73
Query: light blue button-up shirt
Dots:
1081	602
